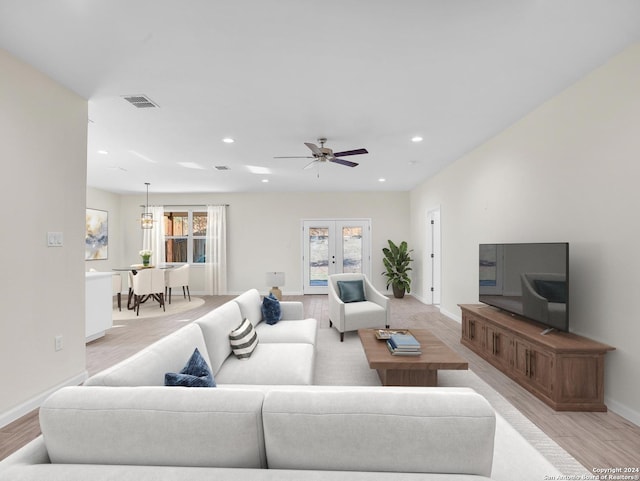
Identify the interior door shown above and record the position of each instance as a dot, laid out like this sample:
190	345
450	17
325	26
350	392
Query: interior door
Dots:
433	257
334	246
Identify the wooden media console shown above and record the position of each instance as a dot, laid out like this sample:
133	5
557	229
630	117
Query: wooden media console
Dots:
564	370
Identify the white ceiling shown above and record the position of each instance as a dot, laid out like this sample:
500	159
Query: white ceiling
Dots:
273	74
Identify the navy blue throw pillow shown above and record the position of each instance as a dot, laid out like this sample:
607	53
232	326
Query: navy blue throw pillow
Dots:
195	374
271	311
351	291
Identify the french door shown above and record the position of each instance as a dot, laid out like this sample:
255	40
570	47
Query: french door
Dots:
334	246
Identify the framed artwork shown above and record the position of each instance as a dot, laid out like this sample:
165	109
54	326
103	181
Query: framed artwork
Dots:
96	242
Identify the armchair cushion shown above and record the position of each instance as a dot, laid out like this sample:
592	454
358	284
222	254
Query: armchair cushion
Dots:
351	291
196	373
271	312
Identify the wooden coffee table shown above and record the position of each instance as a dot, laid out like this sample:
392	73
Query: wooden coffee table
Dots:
419	370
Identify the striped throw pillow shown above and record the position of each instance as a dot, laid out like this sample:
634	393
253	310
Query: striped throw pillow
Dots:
243	340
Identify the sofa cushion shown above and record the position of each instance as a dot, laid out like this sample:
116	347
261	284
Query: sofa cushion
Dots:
155	426
351	291
271	312
216	326
303	330
249	303
196	373
417	431
148	367
271	363
243	340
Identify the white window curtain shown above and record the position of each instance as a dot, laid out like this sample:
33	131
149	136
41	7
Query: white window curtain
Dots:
216	249
153	239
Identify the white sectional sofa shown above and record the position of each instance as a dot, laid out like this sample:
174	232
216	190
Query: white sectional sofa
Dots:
264	420
285	353
295	433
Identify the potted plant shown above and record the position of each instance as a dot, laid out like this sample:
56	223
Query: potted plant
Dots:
396	262
146	255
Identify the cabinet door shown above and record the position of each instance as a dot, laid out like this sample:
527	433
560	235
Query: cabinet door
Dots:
498	345
473	331
534	364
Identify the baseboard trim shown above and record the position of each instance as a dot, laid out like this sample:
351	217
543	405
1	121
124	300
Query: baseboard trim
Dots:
626	412
450	315
29	405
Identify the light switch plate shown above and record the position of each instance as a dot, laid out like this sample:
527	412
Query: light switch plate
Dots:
54	239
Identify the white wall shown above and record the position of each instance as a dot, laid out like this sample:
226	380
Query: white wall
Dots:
43	151
264	230
568	171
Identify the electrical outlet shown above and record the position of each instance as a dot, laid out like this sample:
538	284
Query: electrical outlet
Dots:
59	343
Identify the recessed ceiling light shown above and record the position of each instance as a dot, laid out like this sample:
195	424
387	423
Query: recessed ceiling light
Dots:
264	181
382	179
417	138
228	140
103	152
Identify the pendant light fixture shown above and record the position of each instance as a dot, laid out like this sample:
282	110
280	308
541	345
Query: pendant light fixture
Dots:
146	218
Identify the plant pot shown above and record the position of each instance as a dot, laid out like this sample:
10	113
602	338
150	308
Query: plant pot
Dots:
398	291
145	261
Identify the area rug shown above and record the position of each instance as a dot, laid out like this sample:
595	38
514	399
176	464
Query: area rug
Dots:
152	308
344	363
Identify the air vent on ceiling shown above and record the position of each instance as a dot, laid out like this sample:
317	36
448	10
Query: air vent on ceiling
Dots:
140	101
222	167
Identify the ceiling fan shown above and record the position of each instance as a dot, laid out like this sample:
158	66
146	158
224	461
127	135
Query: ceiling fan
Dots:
324	154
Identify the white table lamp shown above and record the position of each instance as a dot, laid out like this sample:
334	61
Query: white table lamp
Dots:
275	279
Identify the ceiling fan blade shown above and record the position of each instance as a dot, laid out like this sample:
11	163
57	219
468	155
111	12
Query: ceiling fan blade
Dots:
338	160
314	148
310	164
350	152
294	157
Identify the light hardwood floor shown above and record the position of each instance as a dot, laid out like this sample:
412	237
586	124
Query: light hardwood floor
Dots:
597	440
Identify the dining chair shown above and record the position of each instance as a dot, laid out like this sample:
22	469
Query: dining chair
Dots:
178	277
147	284
116	288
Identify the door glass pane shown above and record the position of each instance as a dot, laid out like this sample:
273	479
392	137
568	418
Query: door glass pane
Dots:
352	249
318	256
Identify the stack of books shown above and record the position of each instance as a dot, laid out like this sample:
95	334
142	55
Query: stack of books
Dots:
403	345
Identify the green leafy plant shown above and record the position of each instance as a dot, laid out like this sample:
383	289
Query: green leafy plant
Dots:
396	262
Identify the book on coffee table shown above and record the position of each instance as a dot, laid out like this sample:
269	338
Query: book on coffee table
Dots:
403	352
404	344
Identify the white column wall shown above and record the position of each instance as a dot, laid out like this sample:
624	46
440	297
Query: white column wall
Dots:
43	151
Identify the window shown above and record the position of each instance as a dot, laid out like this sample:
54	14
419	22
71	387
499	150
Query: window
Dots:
185	234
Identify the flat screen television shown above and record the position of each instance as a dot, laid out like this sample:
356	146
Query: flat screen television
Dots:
531	280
